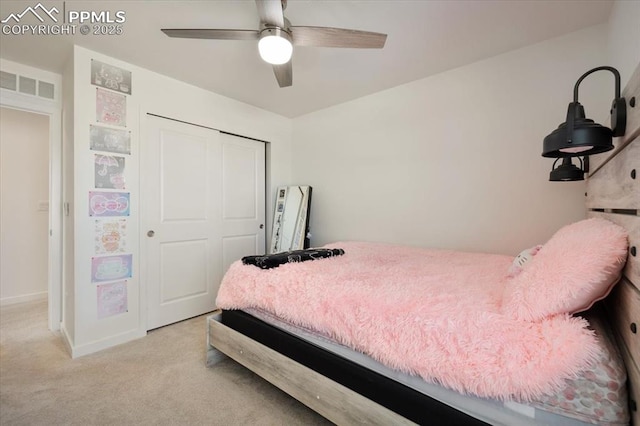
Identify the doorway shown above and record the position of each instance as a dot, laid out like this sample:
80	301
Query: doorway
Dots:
24	206
52	110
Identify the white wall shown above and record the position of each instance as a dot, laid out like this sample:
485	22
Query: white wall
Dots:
24	200
90	333
156	94
624	38
453	160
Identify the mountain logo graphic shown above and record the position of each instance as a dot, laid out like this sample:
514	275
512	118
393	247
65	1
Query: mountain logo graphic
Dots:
34	11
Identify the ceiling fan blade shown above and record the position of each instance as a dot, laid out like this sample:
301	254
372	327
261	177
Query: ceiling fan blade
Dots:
213	34
337	37
270	12
284	74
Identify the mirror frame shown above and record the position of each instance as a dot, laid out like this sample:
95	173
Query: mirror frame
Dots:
290	229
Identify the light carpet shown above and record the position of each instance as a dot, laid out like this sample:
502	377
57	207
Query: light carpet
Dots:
160	379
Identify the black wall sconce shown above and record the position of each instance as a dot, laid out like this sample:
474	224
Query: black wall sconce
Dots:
580	136
568	171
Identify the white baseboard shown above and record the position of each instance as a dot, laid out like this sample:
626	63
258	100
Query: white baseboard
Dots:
66	340
4	301
98	345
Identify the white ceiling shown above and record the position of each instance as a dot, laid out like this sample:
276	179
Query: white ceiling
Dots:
424	38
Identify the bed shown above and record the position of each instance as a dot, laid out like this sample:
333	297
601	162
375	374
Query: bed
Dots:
348	387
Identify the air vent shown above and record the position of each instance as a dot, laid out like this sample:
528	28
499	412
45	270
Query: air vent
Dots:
45	90
27	85
8	81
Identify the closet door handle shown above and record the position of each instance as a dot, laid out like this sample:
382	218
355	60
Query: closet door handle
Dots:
150	233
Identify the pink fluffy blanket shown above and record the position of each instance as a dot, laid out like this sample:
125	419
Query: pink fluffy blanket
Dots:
433	313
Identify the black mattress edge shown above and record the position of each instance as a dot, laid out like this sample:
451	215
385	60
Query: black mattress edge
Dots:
403	400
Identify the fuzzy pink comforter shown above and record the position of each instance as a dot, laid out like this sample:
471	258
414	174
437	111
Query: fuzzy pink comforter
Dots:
432	313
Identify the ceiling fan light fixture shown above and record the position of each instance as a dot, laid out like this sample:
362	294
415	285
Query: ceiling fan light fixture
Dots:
276	37
275	46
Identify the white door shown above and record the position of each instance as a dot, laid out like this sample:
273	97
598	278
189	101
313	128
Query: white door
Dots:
243	203
193	191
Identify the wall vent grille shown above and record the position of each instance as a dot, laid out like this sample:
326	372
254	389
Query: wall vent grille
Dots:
45	90
8	81
27	85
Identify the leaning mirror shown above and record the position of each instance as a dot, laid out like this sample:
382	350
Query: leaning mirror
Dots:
291	219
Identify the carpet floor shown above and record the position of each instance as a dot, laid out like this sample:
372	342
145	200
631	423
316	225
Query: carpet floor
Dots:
160	379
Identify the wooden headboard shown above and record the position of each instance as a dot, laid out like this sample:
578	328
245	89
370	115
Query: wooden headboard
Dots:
613	193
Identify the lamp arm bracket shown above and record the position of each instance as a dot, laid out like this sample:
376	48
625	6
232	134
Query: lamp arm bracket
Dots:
585	164
603	68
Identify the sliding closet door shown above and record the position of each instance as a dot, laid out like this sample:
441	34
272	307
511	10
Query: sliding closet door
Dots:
203	208
183	251
243	192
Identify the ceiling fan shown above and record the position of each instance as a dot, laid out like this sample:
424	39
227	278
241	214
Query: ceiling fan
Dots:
276	37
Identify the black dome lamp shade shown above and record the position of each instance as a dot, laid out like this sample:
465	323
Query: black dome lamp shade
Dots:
580	136
567	171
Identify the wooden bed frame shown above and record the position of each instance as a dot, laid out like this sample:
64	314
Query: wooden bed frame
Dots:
613	192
